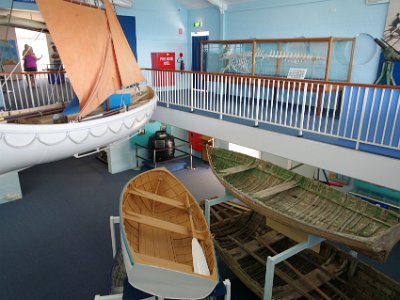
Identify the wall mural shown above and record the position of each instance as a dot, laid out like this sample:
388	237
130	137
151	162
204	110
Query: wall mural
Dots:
392	29
8	51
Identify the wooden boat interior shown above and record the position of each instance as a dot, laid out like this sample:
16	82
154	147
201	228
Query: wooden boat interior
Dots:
160	218
244	241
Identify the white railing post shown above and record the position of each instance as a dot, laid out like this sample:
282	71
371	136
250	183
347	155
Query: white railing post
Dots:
191	92
166	87
362	118
303	109
257	102
221	96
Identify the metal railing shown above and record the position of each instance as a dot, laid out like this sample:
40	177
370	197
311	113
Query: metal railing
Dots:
183	150
22	90
365	115
339	113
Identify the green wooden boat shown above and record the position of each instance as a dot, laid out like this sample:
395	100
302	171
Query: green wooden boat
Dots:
306	204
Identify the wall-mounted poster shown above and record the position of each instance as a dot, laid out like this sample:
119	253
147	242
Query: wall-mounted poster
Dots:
392	29
8	52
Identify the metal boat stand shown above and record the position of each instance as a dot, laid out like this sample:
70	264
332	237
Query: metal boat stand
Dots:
117	220
271	260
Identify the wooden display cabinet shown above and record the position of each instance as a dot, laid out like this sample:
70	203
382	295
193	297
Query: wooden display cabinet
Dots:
326	58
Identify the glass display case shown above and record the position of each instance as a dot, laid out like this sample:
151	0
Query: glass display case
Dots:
327	58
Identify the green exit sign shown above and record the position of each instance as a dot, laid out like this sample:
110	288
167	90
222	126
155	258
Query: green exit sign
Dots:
198	24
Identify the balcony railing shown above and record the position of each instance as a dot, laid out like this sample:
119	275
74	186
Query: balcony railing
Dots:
24	90
364	117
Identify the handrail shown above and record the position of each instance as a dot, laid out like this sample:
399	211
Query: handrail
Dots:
35	72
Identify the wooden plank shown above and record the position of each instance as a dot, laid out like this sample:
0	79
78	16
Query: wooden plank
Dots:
160	262
236	169
274	190
157	223
239	206
158	198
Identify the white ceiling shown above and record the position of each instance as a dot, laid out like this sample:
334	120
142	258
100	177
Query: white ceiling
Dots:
194	4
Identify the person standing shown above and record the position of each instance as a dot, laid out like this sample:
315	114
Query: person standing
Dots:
55	57
26	48
30	63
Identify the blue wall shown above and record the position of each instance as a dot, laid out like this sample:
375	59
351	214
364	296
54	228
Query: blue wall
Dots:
158	23
310	18
157	28
301	18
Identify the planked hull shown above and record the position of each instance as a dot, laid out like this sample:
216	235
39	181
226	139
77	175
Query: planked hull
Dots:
306	204
159	221
25	145
243	242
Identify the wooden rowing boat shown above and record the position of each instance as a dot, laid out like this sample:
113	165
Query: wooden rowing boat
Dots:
243	242
167	247
306	204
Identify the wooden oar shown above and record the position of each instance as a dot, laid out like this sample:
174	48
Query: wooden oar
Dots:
199	259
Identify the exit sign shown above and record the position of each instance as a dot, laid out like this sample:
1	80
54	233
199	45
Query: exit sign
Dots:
198	24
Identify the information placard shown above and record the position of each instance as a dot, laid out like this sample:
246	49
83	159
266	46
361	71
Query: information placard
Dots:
297	73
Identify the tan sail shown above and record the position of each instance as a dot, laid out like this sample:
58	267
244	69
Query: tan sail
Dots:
129	73
85	43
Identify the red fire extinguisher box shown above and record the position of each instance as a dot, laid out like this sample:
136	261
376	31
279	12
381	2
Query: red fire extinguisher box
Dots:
163	61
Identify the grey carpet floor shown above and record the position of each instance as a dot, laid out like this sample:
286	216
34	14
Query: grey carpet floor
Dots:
55	242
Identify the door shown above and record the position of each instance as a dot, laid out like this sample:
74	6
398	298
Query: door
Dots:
196	40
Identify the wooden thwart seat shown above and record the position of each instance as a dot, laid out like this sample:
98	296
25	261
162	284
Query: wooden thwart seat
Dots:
274	190
158	198
161	224
161	262
236	169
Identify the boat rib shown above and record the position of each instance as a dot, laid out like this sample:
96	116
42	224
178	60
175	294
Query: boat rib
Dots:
306	204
